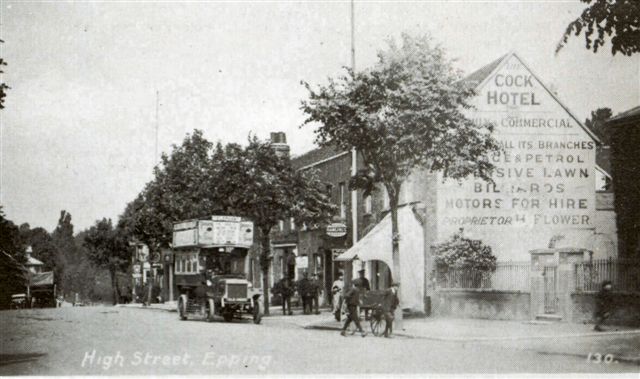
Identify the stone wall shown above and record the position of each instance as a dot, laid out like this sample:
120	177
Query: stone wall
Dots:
627	310
485	304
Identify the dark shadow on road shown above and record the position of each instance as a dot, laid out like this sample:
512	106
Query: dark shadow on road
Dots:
7	359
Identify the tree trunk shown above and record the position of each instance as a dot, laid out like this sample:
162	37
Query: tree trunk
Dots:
114	285
395	253
149	279
264	265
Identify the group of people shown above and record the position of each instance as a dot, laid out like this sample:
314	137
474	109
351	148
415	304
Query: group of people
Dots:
345	300
352	298
308	289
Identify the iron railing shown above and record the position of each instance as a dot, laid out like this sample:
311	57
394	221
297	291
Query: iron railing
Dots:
624	274
508	276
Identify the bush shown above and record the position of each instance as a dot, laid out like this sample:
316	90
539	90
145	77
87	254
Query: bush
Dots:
466	253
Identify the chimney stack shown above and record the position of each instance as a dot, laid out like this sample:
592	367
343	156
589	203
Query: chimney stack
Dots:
279	144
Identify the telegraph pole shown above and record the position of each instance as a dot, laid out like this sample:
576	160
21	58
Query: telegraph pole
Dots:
155	156
354	162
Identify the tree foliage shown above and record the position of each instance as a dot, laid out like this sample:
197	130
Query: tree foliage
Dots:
198	179
42	245
107	248
406	112
265	188
3	86
12	260
181	189
463	252
618	20
73	271
598	124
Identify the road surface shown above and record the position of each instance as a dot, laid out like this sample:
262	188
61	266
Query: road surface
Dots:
117	341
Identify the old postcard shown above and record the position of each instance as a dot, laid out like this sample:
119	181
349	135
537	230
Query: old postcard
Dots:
319	187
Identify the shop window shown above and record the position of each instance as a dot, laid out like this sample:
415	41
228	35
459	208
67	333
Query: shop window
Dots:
385	199
368	205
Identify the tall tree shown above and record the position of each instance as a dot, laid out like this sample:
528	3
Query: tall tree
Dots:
68	267
182	188
598	124
12	260
406	113
618	20
107	249
265	188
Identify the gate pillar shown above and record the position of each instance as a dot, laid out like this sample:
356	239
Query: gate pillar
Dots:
539	260
564	260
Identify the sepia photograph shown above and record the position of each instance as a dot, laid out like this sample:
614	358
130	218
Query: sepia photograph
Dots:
320	188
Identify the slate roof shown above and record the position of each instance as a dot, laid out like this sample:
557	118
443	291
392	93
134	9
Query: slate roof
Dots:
478	76
314	156
631	113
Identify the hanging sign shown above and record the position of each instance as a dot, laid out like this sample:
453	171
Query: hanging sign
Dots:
336	230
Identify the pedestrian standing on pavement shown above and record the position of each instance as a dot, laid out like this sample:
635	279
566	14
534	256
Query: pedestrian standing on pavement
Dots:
352	299
284	288
305	290
363	286
336	291
390	302
604	305
315	286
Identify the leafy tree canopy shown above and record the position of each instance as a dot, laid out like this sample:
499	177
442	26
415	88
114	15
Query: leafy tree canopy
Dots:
603	19
597	123
105	246
12	259
265	188
406	112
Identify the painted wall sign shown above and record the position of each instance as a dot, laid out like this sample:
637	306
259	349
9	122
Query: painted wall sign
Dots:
544	177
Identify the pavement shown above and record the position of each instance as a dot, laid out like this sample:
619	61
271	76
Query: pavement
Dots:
133	340
543	337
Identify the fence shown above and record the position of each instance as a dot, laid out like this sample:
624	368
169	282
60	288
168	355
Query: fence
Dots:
508	276
624	274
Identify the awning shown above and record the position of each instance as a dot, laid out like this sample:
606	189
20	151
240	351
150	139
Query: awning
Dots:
375	245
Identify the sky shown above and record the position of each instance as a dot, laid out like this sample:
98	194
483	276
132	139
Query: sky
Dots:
78	129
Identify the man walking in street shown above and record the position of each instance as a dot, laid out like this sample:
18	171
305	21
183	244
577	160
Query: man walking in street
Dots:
352	299
336	291
389	304
363	286
604	305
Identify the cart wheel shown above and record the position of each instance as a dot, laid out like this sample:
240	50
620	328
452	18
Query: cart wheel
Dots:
211	310
257	317
182	308
376	324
